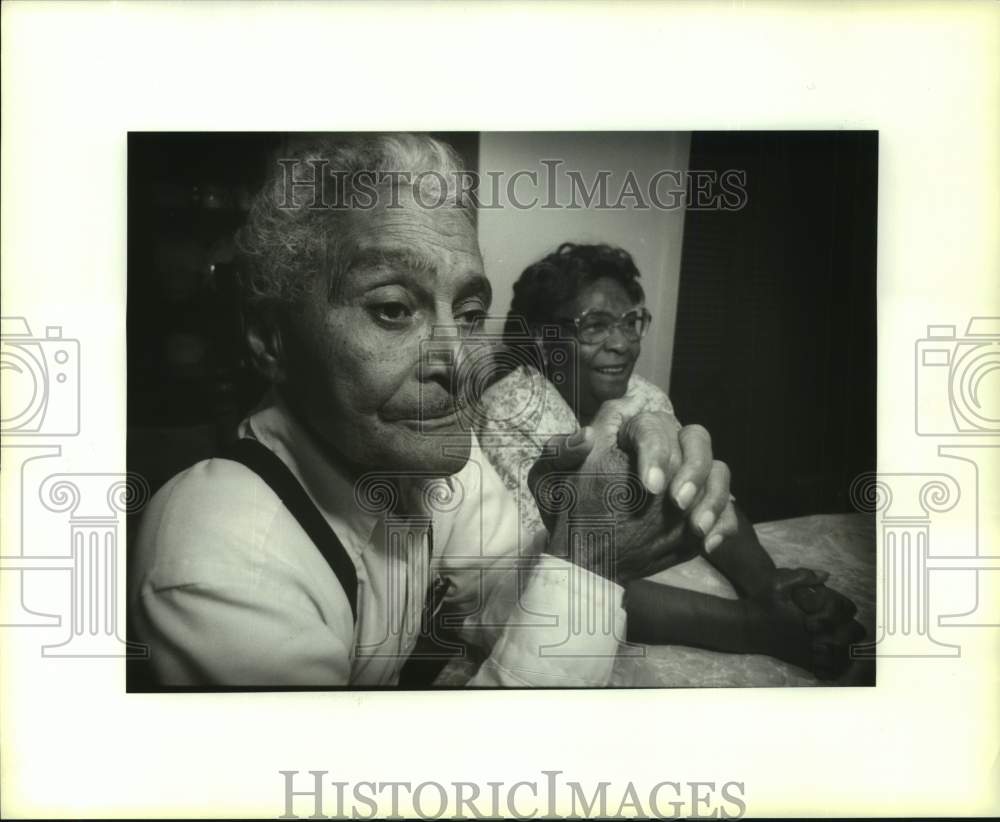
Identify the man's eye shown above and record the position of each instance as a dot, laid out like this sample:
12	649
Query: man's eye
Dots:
392	313
471	319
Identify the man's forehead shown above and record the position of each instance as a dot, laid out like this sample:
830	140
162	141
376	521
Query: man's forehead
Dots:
367	257
381	257
448	225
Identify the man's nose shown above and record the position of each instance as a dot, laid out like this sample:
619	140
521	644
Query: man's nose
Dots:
441	353
447	350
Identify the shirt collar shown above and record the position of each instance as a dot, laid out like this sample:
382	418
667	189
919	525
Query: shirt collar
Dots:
327	483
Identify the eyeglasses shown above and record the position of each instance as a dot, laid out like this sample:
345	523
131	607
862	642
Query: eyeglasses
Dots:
594	327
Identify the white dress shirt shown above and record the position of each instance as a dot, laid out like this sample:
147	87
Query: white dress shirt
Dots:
227	589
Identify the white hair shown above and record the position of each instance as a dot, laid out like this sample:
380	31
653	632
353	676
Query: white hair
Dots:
290	238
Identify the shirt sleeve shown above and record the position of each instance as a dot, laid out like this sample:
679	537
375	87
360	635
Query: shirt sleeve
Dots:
237	635
226	589
650	396
545	621
517	416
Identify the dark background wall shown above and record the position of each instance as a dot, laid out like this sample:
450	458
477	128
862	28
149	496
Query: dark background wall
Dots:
775	348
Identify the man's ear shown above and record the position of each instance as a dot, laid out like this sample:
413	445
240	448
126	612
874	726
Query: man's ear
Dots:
263	335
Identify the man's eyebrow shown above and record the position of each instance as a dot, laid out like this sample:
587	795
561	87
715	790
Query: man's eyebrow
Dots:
476	285
396	259
403	262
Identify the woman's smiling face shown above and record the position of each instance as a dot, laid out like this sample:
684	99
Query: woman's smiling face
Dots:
602	369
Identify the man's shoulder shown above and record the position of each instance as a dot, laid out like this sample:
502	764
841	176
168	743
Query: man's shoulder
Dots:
211	491
212	520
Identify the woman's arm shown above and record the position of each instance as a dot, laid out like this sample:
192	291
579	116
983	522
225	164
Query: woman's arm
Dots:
744	562
785	613
742	559
664	615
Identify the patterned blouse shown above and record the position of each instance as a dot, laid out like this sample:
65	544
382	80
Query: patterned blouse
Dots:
520	412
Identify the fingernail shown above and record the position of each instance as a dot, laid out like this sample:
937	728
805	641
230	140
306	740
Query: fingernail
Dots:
713	542
685	495
655	480
705	522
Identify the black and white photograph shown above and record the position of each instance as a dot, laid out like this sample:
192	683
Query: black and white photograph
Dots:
577	409
519	409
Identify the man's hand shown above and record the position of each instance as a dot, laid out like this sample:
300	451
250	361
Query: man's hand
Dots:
582	506
604	497
668	459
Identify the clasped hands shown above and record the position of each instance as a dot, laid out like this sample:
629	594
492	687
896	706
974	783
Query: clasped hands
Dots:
679	504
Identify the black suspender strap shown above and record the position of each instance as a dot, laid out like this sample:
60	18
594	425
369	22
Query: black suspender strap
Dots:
269	467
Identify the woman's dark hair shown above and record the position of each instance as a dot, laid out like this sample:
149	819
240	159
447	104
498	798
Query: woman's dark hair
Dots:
559	277
548	283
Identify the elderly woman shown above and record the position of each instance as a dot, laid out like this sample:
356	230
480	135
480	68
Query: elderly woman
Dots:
573	336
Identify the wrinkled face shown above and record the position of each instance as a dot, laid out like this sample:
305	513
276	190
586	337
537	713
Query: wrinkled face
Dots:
603	369
352	351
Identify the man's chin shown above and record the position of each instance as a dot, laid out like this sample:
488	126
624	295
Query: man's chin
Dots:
434	456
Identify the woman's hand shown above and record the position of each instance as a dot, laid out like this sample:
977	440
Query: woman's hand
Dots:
798	619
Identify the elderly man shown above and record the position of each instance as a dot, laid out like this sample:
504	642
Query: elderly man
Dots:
358	499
